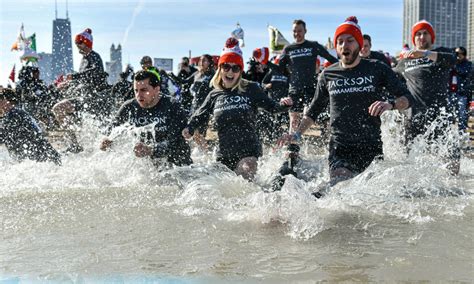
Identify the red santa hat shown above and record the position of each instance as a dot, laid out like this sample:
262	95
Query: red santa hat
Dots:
422	25
231	53
276	60
85	37
261	55
350	26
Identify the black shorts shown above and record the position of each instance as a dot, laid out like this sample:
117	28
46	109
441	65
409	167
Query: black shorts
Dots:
354	157
301	98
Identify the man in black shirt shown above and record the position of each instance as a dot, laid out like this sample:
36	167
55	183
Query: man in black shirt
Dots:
426	71
353	88
166	119
21	134
366	53
184	73
86	85
461	86
299	60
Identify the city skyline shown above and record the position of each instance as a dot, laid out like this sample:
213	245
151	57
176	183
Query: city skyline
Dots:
169	29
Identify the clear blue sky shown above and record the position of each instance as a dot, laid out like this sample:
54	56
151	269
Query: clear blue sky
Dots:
170	28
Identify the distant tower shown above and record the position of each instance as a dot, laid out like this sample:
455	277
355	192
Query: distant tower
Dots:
114	67
44	65
61	62
470	30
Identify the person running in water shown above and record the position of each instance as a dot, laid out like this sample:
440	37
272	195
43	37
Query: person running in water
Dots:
166	79
234	102
353	87
426	71
166	118
200	88
275	83
299	58
21	134
92	78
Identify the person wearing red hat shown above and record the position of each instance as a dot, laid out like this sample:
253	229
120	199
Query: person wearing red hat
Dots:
87	82
297	60
234	102
91	68
354	90
426	71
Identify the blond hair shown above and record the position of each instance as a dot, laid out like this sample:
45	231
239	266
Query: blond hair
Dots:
216	82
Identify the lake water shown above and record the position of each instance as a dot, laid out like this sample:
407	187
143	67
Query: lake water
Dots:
110	217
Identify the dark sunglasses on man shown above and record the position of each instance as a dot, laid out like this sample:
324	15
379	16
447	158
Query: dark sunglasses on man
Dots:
226	67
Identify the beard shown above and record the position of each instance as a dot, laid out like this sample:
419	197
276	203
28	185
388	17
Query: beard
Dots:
425	46
350	58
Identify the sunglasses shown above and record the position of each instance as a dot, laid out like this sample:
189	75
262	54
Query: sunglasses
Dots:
226	67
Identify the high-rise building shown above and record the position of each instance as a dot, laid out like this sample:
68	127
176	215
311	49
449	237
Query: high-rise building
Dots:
448	17
114	67
470	30
44	65
62	47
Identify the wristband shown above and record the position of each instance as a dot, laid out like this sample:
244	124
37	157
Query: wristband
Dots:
392	102
297	136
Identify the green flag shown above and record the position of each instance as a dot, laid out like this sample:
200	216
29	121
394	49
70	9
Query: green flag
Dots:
29	54
32	41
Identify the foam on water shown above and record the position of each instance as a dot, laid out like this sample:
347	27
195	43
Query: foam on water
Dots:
119	188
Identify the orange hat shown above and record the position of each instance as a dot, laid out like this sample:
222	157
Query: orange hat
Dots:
261	55
350	26
85	37
231	53
422	25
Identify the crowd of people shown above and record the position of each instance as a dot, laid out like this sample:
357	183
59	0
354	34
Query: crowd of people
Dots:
275	101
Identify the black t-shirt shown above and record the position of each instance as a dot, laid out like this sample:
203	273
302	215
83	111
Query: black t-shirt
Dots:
91	69
428	80
24	139
122	91
300	60
167	120
235	117
279	82
201	88
350	92
378	56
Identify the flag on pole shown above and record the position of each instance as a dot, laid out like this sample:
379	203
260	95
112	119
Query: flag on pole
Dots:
29	54
238	34
12	74
18	44
277	40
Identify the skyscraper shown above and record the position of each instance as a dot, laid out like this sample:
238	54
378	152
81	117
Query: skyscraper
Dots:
448	17
470	30
61	62
44	65
114	67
